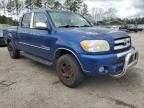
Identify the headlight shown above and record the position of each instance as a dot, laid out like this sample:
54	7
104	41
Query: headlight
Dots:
95	45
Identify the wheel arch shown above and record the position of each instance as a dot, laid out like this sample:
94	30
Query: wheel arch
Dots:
62	51
8	40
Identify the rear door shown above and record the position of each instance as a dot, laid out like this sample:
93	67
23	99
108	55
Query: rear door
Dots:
25	34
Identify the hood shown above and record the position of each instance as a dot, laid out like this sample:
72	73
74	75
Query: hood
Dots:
93	31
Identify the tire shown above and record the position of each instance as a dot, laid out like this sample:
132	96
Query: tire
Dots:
14	53
69	71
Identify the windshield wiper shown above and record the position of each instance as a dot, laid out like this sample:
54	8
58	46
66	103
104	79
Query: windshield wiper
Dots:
68	26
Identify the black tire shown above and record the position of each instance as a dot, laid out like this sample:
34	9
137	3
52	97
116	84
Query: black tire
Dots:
69	71
14	53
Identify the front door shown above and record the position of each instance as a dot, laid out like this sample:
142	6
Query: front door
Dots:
41	38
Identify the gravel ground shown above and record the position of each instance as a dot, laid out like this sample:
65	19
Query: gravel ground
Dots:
27	84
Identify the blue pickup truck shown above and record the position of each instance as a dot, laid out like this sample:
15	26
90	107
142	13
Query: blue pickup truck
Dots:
70	43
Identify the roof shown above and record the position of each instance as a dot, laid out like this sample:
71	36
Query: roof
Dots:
49	10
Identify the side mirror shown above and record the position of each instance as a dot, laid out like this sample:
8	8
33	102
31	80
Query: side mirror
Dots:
41	26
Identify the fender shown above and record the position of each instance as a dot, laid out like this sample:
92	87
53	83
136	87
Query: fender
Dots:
73	53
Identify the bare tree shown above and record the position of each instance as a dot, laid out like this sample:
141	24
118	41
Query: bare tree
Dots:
10	7
17	7
111	13
98	14
1	8
4	7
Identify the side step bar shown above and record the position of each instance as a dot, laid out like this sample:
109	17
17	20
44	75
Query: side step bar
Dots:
45	62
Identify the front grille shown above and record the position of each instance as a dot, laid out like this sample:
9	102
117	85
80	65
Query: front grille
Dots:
122	43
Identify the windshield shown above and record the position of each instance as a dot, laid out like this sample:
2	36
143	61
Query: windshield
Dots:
68	19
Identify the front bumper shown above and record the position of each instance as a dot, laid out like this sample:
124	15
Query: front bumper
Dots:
115	65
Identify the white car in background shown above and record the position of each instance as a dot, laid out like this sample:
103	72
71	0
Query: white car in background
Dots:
2	26
141	27
115	27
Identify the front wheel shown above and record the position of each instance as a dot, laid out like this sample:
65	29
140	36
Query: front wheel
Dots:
14	53
69	71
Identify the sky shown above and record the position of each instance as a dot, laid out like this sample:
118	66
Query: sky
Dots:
124	8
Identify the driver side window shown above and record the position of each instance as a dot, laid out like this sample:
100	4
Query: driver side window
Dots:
39	18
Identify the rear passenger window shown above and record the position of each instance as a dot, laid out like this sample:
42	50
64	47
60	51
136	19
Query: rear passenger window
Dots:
26	20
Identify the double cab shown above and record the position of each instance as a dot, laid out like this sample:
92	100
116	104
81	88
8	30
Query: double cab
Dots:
69	42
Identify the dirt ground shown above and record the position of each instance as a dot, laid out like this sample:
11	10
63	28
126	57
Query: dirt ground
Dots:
27	84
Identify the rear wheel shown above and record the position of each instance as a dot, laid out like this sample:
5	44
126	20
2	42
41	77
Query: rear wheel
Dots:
69	71
14	53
